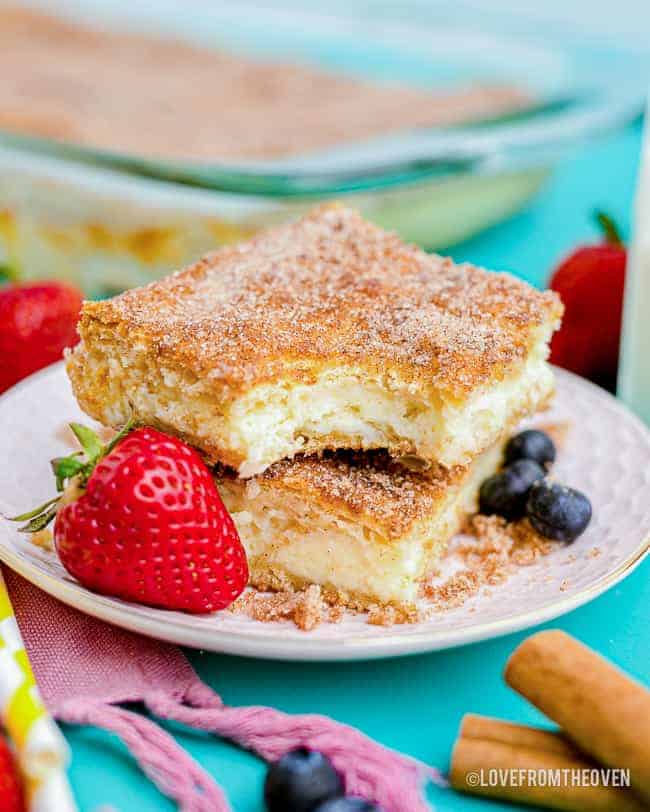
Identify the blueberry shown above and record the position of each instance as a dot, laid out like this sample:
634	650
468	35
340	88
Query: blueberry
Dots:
301	780
558	512
506	493
531	445
348	804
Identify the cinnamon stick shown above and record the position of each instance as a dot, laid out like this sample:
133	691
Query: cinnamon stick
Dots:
526	765
602	710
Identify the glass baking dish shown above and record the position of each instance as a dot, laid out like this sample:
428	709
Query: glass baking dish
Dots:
108	220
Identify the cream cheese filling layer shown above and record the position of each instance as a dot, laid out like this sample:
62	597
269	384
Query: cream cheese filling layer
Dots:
348	409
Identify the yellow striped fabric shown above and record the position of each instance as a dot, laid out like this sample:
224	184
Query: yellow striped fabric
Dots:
41	750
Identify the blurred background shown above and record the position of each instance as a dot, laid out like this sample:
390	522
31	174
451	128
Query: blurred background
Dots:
119	159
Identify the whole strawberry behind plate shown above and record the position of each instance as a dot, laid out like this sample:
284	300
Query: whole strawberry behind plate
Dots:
606	455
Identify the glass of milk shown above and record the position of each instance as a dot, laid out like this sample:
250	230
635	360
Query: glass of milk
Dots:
634	375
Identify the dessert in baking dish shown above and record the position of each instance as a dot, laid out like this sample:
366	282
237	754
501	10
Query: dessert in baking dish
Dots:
82	85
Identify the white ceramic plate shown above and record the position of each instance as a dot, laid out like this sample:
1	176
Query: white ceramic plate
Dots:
607	455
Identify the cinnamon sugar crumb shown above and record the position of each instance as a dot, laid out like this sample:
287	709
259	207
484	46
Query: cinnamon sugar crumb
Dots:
43	539
309	611
455	591
336	613
558	432
306	608
382	615
496	550
391	615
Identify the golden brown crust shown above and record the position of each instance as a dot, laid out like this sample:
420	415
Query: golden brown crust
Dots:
329	289
368	485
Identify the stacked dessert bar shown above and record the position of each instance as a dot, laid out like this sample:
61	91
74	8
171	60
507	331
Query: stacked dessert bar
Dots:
351	391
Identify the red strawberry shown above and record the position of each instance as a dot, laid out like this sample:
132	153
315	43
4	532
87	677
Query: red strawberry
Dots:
142	520
590	282
11	792
37	322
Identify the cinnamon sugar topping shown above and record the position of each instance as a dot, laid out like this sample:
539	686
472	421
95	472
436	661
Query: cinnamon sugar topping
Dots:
370	484
332	288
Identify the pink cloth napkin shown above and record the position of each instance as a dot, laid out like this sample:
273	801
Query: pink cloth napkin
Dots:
85	668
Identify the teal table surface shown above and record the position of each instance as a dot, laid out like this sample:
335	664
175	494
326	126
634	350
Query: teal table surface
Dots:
414	704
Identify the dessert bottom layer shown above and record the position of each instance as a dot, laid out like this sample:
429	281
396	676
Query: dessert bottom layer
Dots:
292	541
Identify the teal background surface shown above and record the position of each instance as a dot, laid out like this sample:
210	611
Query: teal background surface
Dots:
415	703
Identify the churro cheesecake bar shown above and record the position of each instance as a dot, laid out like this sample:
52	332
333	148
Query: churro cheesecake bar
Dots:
321	334
359	524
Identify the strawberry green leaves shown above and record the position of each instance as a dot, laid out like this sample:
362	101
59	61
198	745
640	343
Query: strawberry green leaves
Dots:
65	468
38	518
89	441
76	467
7	273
